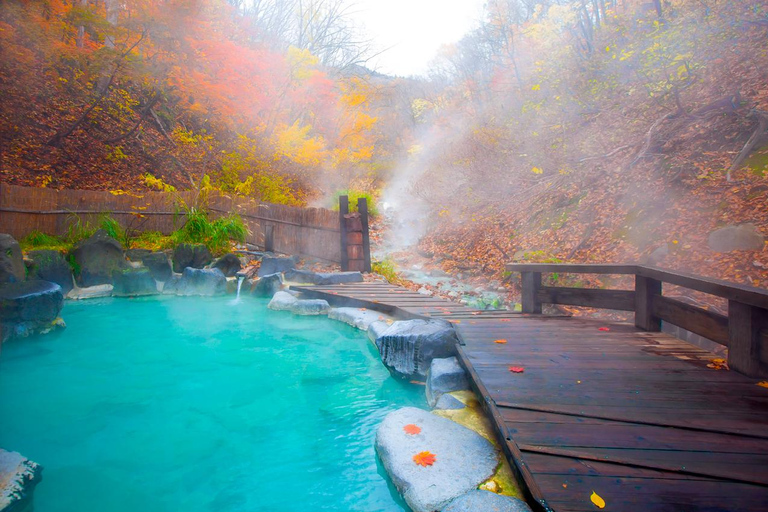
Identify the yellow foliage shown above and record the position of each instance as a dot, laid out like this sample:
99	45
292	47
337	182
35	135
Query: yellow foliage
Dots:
302	63
295	142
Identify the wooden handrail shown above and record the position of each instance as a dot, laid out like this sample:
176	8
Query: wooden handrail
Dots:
744	331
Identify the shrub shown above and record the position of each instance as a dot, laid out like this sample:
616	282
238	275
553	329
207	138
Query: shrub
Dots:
216	235
386	269
39	240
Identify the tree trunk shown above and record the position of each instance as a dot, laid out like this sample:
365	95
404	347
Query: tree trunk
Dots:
81	28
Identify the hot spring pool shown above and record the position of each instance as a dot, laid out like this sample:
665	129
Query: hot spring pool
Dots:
198	404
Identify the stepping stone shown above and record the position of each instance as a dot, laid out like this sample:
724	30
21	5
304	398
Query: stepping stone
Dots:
282	301
310	307
444	375
449	402
463	458
486	501
355	317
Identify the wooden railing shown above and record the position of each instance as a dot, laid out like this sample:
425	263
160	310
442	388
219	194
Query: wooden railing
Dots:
744	330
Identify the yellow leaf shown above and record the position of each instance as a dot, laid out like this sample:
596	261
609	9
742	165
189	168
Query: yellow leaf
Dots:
597	500
536	87
537	170
763	383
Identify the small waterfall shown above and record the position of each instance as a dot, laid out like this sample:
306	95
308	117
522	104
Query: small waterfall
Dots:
240	280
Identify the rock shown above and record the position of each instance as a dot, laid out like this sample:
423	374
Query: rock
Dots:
486	501
449	402
742	237
424	291
464	459
201	281
326	278
408	347
355	317
133	283
310	307
91	292
158	265
137	254
229	264
376	329
171	286
11	260
444	376
50	265
18	478
657	256
95	259
268	286
301	276
282	301
275	265
190	255
29	307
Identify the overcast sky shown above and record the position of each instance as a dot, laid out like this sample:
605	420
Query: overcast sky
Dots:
415	29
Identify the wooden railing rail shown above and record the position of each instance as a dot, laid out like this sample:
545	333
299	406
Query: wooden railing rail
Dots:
744	330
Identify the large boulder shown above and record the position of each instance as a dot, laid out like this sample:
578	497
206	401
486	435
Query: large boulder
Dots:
50	265
444	375
11	260
377	328
742	237
207	281
190	255
322	278
408	347
274	265
463	458
268	286
18	478
95	258
158	265
29	307
486	501
229	264
282	301
133	282
310	307
137	254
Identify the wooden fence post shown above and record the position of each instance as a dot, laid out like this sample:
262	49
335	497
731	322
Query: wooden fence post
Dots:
362	207
343	210
645	290
747	350
269	238
531	287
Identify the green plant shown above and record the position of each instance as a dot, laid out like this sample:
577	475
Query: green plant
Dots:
216	234
39	240
113	228
354	195
77	229
386	269
152	240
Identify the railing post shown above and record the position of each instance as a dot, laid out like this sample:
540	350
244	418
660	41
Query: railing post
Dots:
531	287
362	208
645	290
343	210
746	346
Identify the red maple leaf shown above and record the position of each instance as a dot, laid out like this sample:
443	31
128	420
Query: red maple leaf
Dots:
424	458
516	369
412	429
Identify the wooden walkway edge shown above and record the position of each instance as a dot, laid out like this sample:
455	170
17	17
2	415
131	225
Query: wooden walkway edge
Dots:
636	417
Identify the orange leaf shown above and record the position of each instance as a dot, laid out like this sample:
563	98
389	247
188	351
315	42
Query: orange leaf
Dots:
424	458
500	341
412	429
763	383
597	500
455	321
476	313
516	369
505	320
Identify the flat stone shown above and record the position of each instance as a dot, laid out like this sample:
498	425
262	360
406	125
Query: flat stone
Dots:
137	254
376	329
274	265
90	292
298	276
444	375
268	286
355	317
282	301
449	402
18	478
742	237
463	458
310	307
11	260
408	347
326	278
50	265
159	265
486	501
133	282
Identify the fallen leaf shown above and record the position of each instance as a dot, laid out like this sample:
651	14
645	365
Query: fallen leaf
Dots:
412	429
565	486
516	369
455	321
603	329
505	320
500	341
597	500
475	313
763	383
424	458
363	309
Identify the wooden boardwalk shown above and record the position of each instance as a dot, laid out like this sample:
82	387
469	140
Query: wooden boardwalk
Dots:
636	417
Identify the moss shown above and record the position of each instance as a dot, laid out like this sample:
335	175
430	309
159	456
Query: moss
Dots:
473	417
757	162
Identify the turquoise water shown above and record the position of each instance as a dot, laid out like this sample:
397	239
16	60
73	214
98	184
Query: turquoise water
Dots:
198	404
